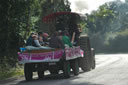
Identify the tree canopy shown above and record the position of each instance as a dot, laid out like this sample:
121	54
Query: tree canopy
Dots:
108	25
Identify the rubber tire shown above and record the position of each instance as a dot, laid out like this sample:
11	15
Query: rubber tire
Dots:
93	55
85	66
40	74
75	67
94	64
28	71
66	69
85	62
40	71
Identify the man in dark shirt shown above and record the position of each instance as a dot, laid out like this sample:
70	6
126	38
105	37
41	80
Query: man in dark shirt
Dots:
55	41
29	40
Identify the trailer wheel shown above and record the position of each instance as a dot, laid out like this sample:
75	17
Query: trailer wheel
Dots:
40	74
66	69
75	66
28	71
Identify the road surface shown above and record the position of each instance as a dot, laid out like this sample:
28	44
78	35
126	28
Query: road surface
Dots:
111	69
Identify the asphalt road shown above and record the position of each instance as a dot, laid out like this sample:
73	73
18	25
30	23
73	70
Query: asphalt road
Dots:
111	69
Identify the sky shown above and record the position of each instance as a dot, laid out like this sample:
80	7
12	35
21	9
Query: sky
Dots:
86	6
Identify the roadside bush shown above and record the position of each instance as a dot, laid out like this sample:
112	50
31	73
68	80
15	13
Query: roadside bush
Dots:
97	42
119	44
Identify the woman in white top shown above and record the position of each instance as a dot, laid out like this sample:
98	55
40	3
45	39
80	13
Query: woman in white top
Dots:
36	41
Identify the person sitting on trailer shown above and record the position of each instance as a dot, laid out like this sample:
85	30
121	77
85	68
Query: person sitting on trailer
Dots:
35	41
40	38
66	39
45	39
29	40
55	41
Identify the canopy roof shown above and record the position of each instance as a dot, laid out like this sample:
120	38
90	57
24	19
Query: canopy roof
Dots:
53	16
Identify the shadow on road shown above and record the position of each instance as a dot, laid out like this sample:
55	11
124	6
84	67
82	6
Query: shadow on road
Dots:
86	83
55	80
39	82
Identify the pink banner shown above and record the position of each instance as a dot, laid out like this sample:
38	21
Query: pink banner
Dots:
23	56
71	52
54	55
40	56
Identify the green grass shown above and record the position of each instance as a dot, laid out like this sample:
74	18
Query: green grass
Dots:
11	73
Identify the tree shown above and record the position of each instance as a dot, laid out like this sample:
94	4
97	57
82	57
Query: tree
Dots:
106	22
52	6
18	18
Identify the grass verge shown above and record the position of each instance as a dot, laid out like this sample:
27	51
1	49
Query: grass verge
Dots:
14	72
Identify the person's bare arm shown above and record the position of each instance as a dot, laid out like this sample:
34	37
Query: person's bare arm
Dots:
73	37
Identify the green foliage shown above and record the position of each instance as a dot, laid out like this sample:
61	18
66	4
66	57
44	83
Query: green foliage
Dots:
4	74
18	19
52	6
97	42
108	27
100	20
120	40
123	32
118	44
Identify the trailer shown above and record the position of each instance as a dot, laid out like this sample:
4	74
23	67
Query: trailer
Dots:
53	60
81	56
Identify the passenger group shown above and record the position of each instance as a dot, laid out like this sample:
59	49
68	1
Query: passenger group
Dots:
59	39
